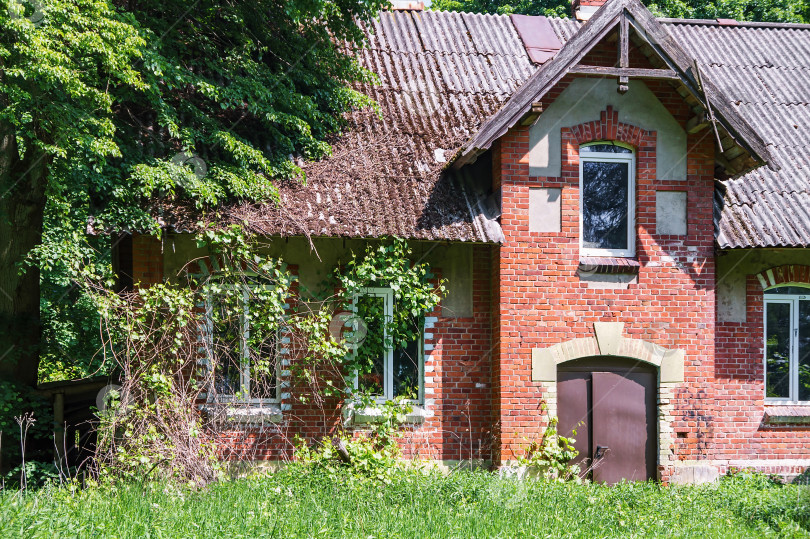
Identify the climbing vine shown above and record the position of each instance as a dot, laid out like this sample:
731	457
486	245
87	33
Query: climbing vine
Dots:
233	335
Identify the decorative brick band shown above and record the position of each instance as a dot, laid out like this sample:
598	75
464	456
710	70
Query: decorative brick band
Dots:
787	274
608	127
607	341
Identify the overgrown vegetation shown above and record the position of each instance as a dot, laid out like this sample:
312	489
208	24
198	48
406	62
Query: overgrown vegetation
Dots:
197	353
112	111
550	457
303	501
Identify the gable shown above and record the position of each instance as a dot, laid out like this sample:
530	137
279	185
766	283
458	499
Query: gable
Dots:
733	131
583	100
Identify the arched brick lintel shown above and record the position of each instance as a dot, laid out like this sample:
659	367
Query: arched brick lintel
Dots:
607	341
782	275
608	127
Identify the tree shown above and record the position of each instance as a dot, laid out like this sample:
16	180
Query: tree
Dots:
107	109
742	10
549	8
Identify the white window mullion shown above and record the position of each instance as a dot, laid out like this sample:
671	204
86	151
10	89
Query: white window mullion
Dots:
389	351
244	367
794	351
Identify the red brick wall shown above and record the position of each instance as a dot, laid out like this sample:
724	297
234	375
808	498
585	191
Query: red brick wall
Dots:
742	434
147	260
543	302
458	387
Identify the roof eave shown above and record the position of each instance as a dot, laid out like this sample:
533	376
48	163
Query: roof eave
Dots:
593	31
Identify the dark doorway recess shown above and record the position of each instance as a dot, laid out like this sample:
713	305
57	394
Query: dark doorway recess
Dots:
611	403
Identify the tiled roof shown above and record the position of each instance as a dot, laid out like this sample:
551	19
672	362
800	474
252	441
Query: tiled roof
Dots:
442	74
765	70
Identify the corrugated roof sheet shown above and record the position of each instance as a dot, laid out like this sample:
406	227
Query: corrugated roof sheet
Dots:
442	74
765	72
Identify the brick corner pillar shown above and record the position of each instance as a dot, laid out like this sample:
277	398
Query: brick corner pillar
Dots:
147	260
583	9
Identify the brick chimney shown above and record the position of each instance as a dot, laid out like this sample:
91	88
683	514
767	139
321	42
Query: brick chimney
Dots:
407	5
583	9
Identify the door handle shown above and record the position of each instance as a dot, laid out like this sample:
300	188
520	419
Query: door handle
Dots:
600	451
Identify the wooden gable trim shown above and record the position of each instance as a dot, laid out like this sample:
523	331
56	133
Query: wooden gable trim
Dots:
623	12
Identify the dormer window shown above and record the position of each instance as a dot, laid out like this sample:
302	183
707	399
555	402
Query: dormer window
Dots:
607	200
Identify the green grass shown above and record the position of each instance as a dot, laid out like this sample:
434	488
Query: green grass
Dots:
295	503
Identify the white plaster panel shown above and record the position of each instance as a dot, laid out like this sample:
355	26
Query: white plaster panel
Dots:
583	101
544	210
670	213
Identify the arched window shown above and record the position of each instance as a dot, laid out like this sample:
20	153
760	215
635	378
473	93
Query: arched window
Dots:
787	343
607	199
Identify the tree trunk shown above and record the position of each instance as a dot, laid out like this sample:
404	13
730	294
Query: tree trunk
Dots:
22	205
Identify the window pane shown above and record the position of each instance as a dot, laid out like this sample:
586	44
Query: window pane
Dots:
226	342
604	205
406	371
804	350
777	350
789	291
371	353
605	148
263	350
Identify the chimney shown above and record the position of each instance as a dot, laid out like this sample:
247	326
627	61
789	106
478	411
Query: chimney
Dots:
407	5
583	9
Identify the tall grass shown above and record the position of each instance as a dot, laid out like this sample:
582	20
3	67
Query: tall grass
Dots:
300	503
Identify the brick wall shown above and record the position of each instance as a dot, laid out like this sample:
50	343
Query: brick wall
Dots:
743	437
458	380
544	302
147	260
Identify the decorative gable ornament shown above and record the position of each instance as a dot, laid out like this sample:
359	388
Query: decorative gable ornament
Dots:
740	147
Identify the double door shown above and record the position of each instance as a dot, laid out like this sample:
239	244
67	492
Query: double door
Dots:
611	404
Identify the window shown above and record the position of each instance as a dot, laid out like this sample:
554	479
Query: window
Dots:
394	366
607	200
787	344
244	355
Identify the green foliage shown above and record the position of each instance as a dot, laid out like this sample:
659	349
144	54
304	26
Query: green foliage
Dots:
299	502
741	10
549	8
360	459
550	457
373	456
37	475
135	105
16	400
387	265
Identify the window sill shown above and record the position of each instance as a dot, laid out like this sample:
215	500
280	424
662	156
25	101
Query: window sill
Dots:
787	414
249	414
355	415
601	264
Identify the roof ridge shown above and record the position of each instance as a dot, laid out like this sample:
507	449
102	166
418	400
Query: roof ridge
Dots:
738	24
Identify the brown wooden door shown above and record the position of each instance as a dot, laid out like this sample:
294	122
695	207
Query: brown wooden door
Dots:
612	408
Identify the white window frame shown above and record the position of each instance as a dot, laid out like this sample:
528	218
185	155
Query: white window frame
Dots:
601	157
793	301
388	366
244	353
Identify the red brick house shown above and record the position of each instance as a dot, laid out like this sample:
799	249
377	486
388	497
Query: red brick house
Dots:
619	207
